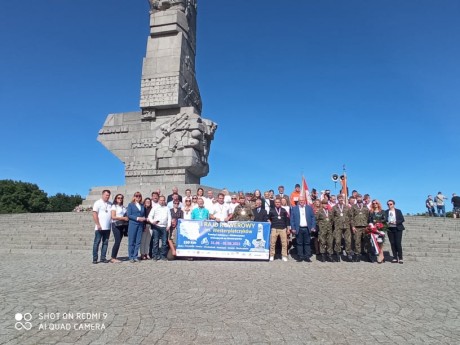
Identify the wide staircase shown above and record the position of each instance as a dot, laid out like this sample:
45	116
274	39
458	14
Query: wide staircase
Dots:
68	233
53	233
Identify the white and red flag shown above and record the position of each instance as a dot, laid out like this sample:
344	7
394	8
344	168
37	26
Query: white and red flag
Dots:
304	191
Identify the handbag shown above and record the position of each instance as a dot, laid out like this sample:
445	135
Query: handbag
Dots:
120	223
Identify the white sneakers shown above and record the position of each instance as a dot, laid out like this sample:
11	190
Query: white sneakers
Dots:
284	258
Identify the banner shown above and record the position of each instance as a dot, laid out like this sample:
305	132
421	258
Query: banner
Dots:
230	240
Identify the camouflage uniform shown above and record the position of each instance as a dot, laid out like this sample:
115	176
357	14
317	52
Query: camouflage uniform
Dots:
243	213
359	219
326	237
342	220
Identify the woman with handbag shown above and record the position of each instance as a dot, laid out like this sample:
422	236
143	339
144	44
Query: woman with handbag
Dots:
119	225
136	217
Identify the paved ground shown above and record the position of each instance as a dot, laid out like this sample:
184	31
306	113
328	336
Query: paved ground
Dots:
228	302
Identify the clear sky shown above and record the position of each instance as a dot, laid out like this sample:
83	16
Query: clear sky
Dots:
296	87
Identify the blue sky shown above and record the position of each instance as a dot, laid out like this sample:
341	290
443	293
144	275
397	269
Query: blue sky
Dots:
296	88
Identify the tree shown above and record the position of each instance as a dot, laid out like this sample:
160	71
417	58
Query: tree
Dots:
64	203
21	197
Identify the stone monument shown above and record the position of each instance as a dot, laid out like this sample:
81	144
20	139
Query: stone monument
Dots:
167	143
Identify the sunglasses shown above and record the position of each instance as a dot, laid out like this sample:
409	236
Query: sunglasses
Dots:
138	196
390	204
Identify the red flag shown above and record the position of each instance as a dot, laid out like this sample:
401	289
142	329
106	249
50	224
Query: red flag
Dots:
344	190
305	192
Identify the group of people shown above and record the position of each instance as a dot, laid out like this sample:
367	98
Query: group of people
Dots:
326	224
439	202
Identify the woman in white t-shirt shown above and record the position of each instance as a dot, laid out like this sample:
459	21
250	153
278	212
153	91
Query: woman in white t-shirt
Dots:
119	224
188	208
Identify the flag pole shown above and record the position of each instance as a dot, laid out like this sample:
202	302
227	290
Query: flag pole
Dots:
345	185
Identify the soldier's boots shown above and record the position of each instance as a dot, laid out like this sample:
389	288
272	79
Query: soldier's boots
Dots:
357	257
337	257
322	258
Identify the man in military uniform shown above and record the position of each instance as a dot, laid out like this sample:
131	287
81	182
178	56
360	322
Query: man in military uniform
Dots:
242	212
326	236
359	219
341	215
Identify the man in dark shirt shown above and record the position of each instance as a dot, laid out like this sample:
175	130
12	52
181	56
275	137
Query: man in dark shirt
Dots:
174	191
279	219
260	214
456	204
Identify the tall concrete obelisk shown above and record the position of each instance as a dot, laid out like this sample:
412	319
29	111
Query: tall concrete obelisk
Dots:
167	142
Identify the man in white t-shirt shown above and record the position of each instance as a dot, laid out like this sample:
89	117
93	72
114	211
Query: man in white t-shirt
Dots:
209	200
220	211
102	219
233	203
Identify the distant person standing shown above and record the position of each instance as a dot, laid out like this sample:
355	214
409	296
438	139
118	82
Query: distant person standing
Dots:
102	217
429	203
455	204
440	206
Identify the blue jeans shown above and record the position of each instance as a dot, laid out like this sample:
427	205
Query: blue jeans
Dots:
134	239
441	209
118	235
159	233
303	243
101	235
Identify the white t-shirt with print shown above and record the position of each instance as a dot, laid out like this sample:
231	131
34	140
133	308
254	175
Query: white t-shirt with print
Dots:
103	210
